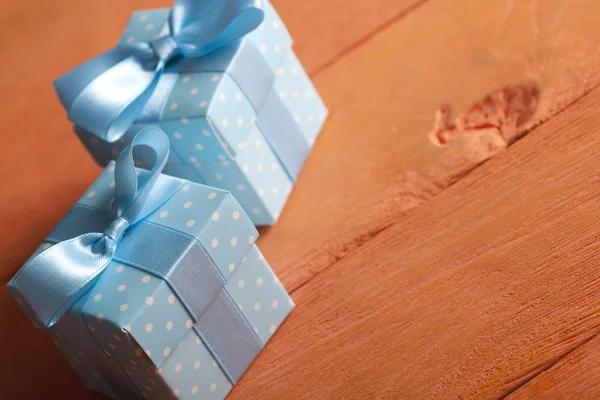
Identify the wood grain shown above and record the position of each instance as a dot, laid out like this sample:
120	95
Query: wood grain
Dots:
422	268
45	169
468	296
574	377
324	31
374	160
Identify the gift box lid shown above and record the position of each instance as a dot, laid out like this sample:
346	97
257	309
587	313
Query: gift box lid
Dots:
213	217
271	37
235	77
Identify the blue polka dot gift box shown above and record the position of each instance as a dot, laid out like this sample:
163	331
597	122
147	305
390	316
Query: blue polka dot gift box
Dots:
172	300
221	79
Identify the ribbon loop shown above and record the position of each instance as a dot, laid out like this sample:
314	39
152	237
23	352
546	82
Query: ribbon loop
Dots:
107	94
58	277
136	197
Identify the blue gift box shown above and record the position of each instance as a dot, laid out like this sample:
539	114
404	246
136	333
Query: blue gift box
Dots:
242	118
135	334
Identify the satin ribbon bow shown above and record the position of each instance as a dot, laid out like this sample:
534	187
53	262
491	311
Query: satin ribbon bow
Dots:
106	94
57	278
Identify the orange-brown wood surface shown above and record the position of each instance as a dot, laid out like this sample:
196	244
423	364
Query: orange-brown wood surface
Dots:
573	377
442	240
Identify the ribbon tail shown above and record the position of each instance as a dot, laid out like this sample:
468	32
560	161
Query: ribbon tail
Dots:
53	281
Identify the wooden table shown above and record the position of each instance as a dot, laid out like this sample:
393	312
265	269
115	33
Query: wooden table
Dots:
433	251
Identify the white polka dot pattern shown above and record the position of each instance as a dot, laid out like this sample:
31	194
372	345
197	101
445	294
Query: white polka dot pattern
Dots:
264	301
240	176
221	167
189	369
300	97
144	26
134	317
210	121
138	322
272	37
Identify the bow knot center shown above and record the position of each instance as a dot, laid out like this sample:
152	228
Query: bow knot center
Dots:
116	229
165	48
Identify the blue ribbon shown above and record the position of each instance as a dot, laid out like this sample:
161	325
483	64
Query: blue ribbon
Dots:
59	277
181	261
108	93
55	279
